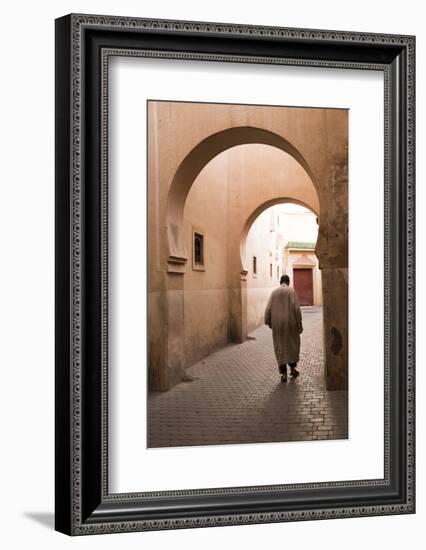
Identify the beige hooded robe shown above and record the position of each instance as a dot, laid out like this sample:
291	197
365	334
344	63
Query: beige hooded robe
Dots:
283	315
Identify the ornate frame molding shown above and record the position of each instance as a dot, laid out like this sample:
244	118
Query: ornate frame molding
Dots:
83	504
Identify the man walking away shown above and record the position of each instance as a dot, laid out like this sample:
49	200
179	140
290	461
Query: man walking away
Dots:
284	317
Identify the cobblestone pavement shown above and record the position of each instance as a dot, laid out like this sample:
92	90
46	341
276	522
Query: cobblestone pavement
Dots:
237	397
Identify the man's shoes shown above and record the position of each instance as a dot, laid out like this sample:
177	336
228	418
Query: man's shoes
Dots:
284	377
294	373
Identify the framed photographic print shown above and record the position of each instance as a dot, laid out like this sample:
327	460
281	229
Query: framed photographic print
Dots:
234	274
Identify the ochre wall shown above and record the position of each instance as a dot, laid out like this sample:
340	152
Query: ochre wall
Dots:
206	297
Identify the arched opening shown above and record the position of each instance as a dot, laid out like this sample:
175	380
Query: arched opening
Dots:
281	238
226	197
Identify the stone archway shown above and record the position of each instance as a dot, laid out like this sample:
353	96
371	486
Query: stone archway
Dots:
192	165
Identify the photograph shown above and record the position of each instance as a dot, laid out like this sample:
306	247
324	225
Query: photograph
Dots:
247	273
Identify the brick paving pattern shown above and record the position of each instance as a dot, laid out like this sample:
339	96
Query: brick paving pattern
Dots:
237	396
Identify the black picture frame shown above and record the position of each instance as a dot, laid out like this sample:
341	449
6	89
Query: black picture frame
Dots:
83	504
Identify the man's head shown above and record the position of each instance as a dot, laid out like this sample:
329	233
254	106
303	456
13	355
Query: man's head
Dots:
285	280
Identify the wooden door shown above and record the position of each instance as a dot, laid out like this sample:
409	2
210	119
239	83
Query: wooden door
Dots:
303	285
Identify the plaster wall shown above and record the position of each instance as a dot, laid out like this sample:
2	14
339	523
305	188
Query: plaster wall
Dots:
206	296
